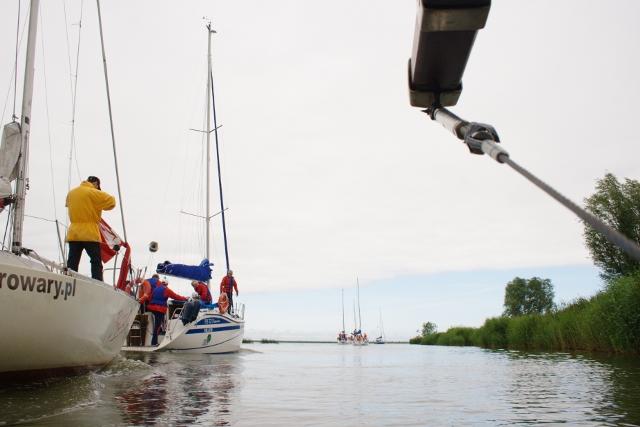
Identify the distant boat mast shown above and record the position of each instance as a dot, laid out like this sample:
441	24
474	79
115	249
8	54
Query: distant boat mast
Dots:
342	309
359	316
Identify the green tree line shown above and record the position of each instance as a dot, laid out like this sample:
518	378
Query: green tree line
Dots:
608	322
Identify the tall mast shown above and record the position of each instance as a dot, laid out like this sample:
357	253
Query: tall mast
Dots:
209	91
25	129
342	310
359	317
215	132
355	319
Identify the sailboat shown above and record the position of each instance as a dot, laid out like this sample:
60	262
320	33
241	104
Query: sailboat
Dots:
54	320
359	338
381	338
215	329
342	336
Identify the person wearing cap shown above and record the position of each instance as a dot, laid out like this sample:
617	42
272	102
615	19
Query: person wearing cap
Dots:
227	285
202	291
85	204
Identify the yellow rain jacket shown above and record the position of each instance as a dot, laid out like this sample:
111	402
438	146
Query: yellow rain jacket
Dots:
86	204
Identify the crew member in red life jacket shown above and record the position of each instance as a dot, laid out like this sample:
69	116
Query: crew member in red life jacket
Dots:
203	291
158	306
144	292
227	286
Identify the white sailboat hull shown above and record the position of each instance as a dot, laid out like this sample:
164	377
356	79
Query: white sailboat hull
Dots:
210	333
52	321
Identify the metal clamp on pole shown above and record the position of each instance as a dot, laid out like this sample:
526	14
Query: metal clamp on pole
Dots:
479	137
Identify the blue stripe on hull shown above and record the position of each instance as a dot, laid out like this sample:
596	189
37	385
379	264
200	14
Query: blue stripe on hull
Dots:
209	330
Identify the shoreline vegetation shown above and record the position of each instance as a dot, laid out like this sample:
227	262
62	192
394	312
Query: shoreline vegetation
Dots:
607	322
272	341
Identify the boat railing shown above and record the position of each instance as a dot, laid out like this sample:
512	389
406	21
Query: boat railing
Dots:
238	309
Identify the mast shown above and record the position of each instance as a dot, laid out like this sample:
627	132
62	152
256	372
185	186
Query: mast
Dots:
342	310
209	90
355	319
359	316
215	132
25	130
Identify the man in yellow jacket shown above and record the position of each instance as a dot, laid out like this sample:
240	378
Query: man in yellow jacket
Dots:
86	203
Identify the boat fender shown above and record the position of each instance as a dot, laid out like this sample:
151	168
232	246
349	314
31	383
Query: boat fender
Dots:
223	303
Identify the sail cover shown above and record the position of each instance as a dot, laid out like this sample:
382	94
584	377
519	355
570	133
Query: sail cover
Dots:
9	154
200	272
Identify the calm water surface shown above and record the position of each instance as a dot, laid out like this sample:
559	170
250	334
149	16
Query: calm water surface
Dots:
332	385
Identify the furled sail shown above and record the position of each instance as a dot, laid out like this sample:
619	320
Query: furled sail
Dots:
9	155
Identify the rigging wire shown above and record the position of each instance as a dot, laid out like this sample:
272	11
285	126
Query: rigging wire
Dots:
6	227
15	71
222	209
74	96
66	29
46	102
113	138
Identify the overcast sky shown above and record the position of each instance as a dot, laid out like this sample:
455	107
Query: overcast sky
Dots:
328	173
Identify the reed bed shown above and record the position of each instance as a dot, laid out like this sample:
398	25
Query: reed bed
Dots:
607	322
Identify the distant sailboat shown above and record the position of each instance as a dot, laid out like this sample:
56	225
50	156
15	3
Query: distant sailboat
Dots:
381	338
359	338
342	336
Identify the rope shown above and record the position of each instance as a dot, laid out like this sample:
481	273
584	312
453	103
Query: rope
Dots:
46	102
113	138
74	97
15	71
6	228
215	132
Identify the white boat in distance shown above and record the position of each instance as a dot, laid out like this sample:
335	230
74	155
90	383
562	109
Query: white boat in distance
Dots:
53	321
358	337
342	335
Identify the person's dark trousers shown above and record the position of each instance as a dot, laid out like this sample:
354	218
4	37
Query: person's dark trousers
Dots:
158	318
230	297
93	249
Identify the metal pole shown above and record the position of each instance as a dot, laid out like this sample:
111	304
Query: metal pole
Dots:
25	130
209	90
359	316
481	139
342	310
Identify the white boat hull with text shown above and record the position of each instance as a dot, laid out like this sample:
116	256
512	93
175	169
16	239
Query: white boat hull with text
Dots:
52	321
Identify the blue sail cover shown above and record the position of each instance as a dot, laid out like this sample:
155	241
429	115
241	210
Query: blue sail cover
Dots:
200	272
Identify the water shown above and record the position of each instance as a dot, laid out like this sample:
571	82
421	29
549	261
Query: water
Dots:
332	385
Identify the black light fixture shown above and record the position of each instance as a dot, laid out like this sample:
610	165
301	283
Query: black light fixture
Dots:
444	35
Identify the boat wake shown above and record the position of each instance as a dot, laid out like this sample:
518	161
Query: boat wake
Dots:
123	366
